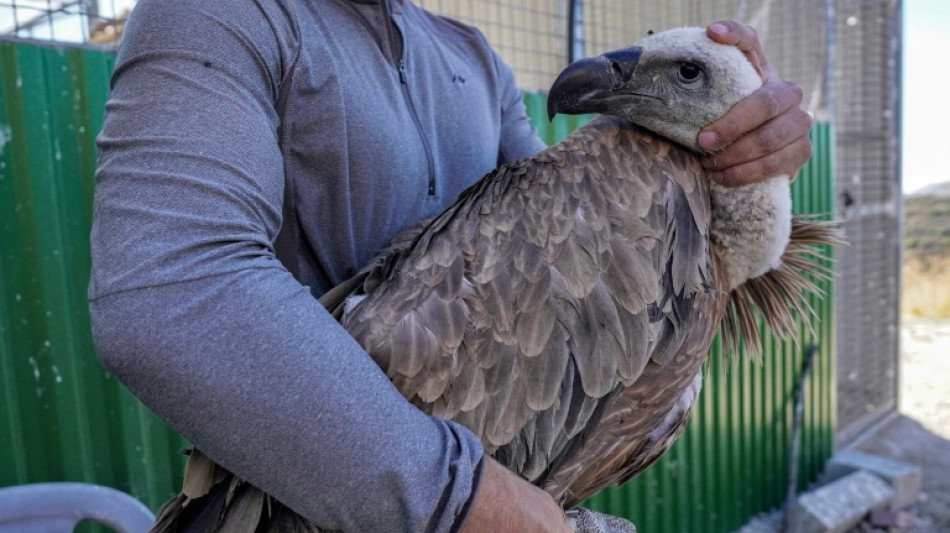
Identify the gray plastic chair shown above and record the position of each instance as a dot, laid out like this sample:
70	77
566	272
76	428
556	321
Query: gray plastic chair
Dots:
58	507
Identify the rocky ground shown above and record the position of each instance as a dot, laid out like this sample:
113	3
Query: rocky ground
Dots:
925	374
921	434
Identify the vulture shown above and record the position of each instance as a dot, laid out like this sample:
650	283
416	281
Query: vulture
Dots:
563	307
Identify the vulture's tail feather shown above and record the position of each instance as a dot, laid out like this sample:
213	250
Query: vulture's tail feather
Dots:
780	296
213	500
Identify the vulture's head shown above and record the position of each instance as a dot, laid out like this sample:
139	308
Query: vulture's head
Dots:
674	83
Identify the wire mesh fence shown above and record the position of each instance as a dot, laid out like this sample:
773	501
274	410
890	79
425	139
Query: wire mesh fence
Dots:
867	121
532	35
77	21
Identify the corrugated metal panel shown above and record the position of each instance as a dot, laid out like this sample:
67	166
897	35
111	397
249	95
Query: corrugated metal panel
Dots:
62	417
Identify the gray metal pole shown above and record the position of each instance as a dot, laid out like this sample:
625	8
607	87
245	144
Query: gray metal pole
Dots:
575	30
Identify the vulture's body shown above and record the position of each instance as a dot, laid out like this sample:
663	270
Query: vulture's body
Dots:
563	307
548	297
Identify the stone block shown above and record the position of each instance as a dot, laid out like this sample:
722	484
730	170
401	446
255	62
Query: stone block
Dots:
841	504
906	479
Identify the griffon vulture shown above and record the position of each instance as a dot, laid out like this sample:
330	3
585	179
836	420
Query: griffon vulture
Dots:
563	306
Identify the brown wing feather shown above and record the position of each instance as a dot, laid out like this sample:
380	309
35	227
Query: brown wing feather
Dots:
644	420
647	417
527	306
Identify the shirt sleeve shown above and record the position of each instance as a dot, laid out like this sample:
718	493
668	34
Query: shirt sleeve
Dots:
519	139
193	312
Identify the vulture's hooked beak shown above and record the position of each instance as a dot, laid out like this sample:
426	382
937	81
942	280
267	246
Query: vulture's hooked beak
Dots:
586	85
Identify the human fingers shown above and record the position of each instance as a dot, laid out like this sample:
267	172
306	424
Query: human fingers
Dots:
746	39
772	136
785	161
504	503
776	97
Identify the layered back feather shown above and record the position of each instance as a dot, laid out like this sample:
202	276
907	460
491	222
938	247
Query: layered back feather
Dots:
545	289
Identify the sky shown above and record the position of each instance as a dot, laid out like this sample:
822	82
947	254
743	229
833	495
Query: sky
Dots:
926	106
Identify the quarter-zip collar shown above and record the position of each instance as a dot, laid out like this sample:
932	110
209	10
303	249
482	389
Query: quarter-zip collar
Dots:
377	17
392	41
401	64
396	45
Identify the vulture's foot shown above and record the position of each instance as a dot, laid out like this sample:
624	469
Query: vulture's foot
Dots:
587	521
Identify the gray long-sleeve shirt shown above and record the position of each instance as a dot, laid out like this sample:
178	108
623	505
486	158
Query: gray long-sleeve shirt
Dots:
238	128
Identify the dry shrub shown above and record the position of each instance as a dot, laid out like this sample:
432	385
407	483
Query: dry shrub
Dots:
926	287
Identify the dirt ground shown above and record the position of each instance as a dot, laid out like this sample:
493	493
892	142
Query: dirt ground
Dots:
921	435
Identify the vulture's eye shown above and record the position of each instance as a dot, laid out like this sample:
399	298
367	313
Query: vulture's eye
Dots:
689	72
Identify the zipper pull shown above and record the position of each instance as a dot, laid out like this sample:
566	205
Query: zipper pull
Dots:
403	75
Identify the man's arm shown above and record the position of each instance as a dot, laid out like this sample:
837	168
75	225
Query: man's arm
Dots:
505	503
764	135
519	139
193	312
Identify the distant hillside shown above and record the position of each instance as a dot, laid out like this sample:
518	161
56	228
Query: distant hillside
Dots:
927	222
925	291
937	189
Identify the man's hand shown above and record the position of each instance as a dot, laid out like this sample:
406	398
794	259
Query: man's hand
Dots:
765	134
506	503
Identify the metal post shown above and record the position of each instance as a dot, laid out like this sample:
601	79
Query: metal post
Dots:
795	444
92	17
575	30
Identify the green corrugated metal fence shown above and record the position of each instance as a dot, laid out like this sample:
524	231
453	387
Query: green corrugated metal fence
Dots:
63	418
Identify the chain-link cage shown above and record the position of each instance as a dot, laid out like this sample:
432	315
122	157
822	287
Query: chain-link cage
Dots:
793	33
533	36
77	21
867	121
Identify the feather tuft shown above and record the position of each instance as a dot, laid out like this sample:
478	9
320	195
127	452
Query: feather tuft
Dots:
779	297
